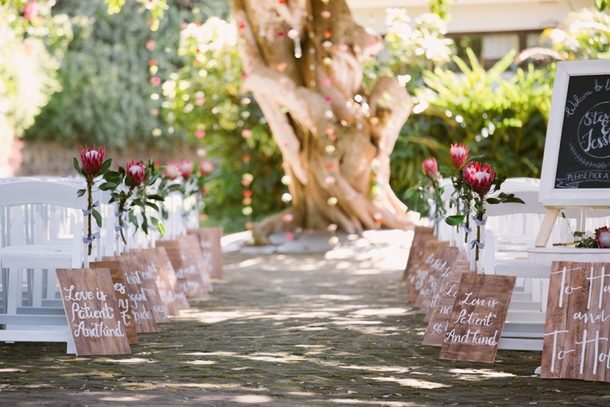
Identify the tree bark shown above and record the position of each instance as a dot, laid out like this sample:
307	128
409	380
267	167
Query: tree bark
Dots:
303	61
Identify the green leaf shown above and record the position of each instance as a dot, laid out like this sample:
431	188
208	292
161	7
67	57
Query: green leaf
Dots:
601	4
108	186
97	216
155	197
455	220
105	166
152	205
77	165
80	192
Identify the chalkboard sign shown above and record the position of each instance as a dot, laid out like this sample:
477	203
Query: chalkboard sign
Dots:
576	166
478	317
577	329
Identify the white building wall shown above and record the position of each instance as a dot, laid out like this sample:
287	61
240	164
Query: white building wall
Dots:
474	16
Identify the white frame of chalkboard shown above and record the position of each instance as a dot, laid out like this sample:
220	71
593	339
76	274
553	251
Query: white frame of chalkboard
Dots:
549	195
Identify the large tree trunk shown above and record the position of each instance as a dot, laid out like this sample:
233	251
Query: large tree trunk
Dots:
303	60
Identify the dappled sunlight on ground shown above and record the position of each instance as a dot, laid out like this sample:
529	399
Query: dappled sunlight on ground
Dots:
331	329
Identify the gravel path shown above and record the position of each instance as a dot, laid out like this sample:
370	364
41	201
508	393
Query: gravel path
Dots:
305	329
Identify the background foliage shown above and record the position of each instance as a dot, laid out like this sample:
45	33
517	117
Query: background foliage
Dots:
125	80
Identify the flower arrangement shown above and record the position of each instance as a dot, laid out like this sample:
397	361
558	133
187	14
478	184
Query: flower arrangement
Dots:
130	188
93	168
478	181
436	207
599	240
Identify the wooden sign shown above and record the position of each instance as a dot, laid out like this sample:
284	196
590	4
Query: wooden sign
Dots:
577	328
120	291
93	312
443	305
440	271
180	300
192	249
419	275
180	253
166	291
421	235
478	316
148	285
211	248
139	300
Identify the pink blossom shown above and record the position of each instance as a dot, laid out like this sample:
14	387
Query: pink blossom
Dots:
186	169
200	133
172	170
246	133
287	217
479	178
602	237
135	172
206	167
430	167
459	155
91	159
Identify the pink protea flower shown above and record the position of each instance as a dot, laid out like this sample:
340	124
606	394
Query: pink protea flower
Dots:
479	178
602	237
91	159
459	155
206	167
172	170
430	167
186	169
135	171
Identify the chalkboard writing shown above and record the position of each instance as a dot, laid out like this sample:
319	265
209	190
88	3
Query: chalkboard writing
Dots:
92	312
478	316
585	137
577	329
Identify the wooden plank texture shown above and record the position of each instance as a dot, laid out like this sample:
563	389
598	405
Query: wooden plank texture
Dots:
180	300
120	291
440	269
141	305
421	235
93	312
211	249
477	319
439	319
419	275
577	326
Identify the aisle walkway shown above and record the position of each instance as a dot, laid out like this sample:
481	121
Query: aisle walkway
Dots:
307	329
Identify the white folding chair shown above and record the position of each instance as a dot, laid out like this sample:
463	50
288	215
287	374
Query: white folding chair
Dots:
42	229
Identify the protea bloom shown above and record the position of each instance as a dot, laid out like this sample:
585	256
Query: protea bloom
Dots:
186	169
430	167
91	159
135	172
172	170
206	167
479	178
602	237
459	155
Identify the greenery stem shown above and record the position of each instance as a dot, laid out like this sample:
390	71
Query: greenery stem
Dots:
90	209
